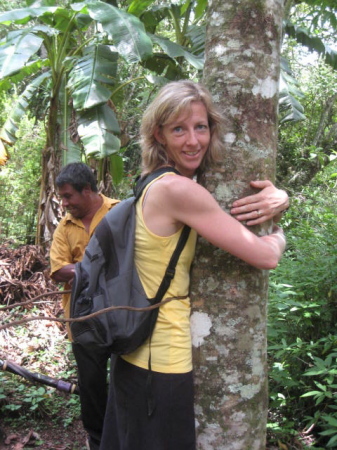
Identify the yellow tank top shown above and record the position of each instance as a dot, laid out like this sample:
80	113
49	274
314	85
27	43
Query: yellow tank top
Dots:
171	339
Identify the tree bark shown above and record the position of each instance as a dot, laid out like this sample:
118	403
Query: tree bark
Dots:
49	212
229	297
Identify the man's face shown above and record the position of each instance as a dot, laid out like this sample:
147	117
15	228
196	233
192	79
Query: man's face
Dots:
76	203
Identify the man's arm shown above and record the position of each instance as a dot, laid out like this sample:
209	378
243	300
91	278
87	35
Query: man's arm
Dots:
65	274
258	208
61	258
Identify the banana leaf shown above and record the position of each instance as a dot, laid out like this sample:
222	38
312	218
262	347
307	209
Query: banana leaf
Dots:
175	50
126	30
71	144
97	128
92	75
312	42
16	50
23	15
10	127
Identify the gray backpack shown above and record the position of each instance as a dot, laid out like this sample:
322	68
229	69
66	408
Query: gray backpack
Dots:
107	277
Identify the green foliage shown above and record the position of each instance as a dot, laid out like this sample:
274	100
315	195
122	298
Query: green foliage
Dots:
313	43
8	4
302	318
41	350
19	185
79	64
307	146
290	108
21	401
67	58
309	33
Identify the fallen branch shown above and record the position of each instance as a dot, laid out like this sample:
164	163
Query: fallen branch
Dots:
32	300
89	316
60	385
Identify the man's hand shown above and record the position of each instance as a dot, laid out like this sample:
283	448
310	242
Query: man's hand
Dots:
258	208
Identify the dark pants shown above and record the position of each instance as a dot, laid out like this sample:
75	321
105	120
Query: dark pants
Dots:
127	424
92	380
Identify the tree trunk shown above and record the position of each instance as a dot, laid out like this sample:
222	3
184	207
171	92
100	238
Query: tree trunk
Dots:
229	297
49	212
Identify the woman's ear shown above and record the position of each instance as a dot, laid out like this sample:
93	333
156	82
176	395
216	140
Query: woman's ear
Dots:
158	135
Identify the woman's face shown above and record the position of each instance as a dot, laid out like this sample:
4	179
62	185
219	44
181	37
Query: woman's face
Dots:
186	139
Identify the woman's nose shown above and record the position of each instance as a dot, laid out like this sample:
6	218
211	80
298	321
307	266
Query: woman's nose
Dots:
192	138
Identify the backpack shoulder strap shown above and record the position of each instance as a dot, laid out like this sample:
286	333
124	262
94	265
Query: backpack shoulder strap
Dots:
171	268
141	183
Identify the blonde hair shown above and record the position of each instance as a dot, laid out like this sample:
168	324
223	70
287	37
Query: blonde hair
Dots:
172	100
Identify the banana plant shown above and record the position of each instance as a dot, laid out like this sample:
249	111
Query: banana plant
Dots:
68	58
73	68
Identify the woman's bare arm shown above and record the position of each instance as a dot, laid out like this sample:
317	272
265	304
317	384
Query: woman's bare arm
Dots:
173	201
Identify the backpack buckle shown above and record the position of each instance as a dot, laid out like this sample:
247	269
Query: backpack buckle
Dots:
170	272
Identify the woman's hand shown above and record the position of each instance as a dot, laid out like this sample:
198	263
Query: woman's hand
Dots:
258	208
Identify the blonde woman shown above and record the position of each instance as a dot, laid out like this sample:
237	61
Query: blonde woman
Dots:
182	129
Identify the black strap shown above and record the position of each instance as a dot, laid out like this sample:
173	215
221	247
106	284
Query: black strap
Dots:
164	285
171	268
139	186
141	183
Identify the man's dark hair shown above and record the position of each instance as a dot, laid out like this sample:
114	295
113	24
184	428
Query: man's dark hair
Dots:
78	175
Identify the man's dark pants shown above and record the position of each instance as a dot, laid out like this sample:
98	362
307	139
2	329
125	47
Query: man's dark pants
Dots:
92	380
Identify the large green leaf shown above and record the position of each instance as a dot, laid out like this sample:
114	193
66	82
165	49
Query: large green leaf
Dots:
137	7
9	129
24	15
16	50
116	168
70	142
200	8
59	18
96	128
26	72
90	75
197	36
313	43
163	65
175	50
152	18
126	30
291	109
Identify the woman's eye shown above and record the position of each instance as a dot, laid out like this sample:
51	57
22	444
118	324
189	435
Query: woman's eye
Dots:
177	129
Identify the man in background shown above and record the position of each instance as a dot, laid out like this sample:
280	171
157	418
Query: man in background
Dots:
78	191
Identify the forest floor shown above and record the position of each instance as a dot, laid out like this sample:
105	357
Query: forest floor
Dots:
32	414
44	435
